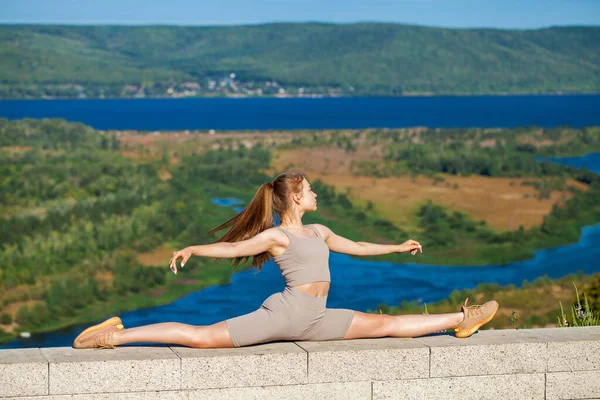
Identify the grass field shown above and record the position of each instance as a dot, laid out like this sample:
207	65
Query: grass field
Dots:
152	146
157	257
504	203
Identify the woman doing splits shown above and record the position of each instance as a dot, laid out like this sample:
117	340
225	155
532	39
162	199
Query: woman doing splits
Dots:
299	312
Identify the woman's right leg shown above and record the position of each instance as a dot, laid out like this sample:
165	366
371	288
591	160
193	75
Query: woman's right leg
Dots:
210	336
269	322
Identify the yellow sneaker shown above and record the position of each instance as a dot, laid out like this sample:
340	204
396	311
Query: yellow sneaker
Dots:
98	336
475	316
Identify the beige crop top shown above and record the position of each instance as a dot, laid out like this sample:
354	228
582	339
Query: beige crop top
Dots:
306	260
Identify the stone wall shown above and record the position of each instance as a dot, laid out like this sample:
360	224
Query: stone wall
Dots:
557	363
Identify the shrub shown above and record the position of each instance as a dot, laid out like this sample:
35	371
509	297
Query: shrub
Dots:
5	319
23	315
581	315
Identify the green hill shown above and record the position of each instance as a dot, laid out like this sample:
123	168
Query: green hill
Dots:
363	58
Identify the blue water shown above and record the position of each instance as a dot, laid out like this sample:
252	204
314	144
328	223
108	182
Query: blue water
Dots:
226	202
229	202
325	113
590	161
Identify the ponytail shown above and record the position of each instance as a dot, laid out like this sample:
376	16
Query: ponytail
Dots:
256	217
259	216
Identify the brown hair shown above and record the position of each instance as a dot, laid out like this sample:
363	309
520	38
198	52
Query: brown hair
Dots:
258	215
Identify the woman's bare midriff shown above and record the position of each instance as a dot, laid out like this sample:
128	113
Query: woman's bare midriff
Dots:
315	289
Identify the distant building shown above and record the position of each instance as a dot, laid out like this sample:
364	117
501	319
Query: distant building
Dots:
191	85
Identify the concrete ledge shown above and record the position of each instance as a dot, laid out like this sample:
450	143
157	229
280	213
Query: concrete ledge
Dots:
341	391
113	396
487	353
558	363
131	369
264	365
573	385
366	360
577	349
23	372
492	387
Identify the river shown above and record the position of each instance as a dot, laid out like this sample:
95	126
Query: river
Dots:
325	113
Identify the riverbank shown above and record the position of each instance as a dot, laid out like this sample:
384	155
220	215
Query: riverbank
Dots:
309	96
541	303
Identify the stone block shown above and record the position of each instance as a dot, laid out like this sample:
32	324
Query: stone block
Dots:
329	391
279	363
491	352
23	372
169	395
366	359
573	385
492	387
125	369
571	349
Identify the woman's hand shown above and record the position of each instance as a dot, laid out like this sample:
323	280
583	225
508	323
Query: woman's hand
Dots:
411	246
184	254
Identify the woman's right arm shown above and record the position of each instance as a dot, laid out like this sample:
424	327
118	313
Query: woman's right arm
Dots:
244	248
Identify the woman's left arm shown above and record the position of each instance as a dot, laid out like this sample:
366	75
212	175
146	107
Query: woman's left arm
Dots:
340	244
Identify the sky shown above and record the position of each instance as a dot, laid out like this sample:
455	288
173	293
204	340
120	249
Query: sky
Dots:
513	14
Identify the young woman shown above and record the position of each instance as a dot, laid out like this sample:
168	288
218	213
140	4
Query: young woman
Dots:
299	312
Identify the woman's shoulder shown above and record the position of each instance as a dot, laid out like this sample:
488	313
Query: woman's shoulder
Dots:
323	230
277	234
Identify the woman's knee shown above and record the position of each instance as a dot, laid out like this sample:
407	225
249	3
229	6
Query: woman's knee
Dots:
198	338
365	325
212	336
387	324
380	324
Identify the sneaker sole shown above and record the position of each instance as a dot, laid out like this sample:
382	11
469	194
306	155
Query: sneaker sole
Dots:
109	322
465	333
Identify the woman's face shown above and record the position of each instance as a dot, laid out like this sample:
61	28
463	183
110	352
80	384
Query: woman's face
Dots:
308	201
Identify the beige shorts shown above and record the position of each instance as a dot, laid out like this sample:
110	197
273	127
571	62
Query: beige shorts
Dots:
290	315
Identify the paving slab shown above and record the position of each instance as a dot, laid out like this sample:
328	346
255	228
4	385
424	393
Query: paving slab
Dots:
573	385
169	395
490	352
366	359
23	372
277	363
490	387
124	369
571	349
329	391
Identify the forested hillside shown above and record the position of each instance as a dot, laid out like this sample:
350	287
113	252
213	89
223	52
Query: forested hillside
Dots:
352	59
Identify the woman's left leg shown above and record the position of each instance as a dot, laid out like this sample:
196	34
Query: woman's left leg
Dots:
366	325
